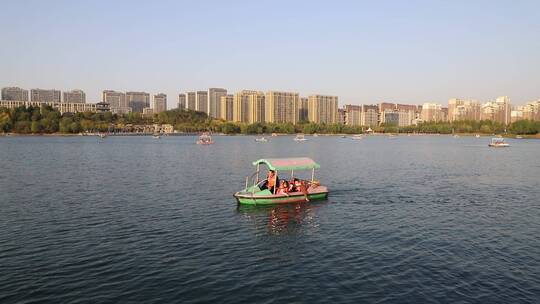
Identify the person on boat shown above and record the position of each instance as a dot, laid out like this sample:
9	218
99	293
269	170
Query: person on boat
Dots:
271	181
297	185
283	187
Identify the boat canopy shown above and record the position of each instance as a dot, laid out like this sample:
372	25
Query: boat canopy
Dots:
298	163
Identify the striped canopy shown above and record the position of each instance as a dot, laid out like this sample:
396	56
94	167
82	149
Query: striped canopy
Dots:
298	163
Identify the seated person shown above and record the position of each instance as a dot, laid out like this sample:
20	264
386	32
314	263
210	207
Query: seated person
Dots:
300	186
270	182
283	187
295	185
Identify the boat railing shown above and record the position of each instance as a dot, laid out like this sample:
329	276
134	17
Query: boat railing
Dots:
251	177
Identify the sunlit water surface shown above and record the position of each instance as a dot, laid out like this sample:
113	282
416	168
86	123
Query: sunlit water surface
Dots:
134	219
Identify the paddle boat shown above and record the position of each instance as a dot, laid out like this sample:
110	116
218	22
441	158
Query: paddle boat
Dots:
357	137
300	138
205	139
498	143
261	139
254	195
156	135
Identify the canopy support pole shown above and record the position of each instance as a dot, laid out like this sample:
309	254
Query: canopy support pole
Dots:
275	184
312	175
257	181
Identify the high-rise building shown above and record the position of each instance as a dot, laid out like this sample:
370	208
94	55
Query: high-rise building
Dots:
353	115
214	101
14	93
389	117
240	107
137	101
369	116
303	109
45	95
201	101
432	112
341	116
463	109
249	106
383	106
116	100
159	103
498	110
149	112
406	107
191	101
74	96
323	109
62	107
405	118
181	101
282	107
226	107
516	114
531	110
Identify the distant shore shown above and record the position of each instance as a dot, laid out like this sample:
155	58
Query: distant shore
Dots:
532	136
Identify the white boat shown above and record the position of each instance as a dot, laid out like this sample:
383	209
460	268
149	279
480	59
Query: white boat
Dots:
102	135
261	139
498	142
274	134
156	136
519	137
357	137
205	139
300	138
456	136
477	136
315	135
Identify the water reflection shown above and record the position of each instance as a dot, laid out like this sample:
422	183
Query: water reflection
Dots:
286	219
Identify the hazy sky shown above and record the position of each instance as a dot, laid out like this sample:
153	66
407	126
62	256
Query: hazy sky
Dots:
363	52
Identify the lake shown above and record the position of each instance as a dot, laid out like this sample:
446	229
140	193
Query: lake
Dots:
135	219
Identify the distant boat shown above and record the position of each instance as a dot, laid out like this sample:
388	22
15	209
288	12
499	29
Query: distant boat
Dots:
315	135
456	136
392	136
274	134
156	136
357	137
261	139
343	136
205	139
300	138
102	135
519	137
498	143
477	136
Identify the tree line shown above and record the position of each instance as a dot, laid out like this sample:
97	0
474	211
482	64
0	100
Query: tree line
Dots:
46	120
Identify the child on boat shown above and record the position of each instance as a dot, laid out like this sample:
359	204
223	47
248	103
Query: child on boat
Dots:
283	187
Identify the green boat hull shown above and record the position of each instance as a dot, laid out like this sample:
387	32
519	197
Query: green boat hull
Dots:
254	200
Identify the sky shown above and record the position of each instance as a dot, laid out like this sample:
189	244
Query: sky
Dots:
362	51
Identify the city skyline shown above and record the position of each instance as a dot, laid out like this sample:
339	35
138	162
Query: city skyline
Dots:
362	52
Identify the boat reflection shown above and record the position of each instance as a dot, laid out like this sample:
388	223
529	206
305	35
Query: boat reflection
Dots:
283	219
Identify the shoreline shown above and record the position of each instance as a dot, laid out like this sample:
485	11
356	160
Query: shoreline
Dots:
534	136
